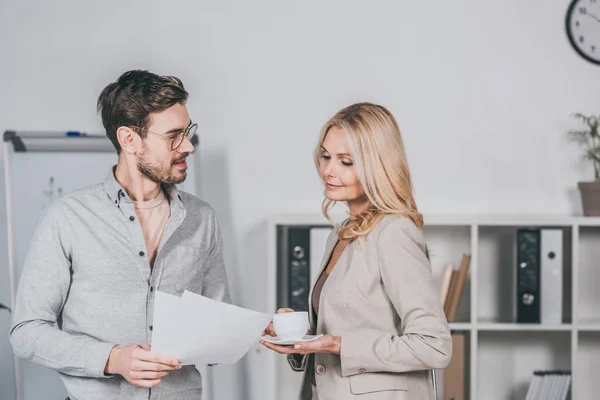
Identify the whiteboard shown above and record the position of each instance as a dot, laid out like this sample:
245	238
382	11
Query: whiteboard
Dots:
34	180
31	192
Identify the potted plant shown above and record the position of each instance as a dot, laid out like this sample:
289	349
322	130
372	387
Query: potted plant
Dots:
590	137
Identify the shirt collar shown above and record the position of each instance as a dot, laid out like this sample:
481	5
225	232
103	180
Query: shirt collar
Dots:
117	194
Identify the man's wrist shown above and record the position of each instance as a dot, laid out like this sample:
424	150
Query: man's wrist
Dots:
111	363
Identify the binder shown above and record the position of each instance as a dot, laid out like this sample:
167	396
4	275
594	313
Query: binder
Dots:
539	275
528	275
300	250
551	276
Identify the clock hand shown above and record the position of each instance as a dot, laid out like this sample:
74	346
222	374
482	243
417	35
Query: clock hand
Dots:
593	16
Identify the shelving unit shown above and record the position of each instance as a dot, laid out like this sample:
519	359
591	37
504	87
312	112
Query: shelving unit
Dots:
502	354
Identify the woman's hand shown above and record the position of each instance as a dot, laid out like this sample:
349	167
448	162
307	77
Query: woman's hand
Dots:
324	344
269	329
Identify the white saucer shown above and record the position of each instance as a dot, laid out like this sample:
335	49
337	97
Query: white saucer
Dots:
276	340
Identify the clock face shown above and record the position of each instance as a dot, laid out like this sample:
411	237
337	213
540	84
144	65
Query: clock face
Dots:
583	28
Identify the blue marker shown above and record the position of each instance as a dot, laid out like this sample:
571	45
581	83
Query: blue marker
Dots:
79	133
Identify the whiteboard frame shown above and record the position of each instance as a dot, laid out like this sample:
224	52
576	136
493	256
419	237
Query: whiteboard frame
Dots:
11	256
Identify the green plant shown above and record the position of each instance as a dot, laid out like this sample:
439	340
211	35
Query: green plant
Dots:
590	137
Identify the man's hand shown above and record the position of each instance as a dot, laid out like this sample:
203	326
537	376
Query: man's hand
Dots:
139	366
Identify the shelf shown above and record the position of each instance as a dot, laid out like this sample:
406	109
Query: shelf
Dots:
511	220
587	363
457	219
492	327
588	295
497	274
460	326
588	221
446	245
588	328
502	354
589	325
515	327
507	361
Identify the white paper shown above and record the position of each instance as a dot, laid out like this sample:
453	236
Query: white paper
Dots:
198	330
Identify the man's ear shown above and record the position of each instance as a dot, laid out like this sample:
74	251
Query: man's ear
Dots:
127	139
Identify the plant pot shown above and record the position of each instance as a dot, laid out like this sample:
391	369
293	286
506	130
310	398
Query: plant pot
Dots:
590	198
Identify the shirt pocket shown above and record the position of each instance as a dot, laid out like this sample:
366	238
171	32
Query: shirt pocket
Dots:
372	382
188	269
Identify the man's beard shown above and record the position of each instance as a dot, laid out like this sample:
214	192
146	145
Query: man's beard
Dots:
154	171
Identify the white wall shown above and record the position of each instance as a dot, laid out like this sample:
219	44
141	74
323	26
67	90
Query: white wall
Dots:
482	92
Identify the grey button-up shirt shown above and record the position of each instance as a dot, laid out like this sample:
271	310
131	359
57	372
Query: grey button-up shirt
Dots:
87	286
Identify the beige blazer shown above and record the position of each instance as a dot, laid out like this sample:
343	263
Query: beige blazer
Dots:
381	299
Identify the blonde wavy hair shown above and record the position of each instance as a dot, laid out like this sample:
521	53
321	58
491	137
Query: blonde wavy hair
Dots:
380	163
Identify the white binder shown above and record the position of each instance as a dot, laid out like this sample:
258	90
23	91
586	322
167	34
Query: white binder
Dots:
551	276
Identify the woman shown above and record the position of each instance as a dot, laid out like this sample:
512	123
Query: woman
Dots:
375	301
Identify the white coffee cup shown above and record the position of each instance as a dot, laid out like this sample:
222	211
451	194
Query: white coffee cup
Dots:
291	325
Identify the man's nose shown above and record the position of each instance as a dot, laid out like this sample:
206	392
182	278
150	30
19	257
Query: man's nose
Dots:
186	146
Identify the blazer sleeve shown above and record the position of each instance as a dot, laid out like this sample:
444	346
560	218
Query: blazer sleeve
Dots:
424	341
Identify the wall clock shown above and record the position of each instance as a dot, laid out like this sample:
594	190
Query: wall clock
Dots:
583	28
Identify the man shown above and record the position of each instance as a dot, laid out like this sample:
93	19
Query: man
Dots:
85	301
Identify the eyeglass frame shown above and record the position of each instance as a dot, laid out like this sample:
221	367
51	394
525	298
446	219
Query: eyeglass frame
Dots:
188	132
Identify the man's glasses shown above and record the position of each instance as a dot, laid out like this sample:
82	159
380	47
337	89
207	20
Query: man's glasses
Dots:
176	138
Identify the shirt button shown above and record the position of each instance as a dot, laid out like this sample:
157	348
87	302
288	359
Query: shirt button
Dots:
142	254
320	369
150	327
362	371
132	218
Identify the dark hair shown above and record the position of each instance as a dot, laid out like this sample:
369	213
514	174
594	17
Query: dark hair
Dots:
133	97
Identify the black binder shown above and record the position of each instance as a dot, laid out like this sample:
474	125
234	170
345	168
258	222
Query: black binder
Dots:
528	275
293	267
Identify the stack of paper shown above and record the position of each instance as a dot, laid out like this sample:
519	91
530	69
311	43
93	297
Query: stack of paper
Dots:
549	385
198	330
